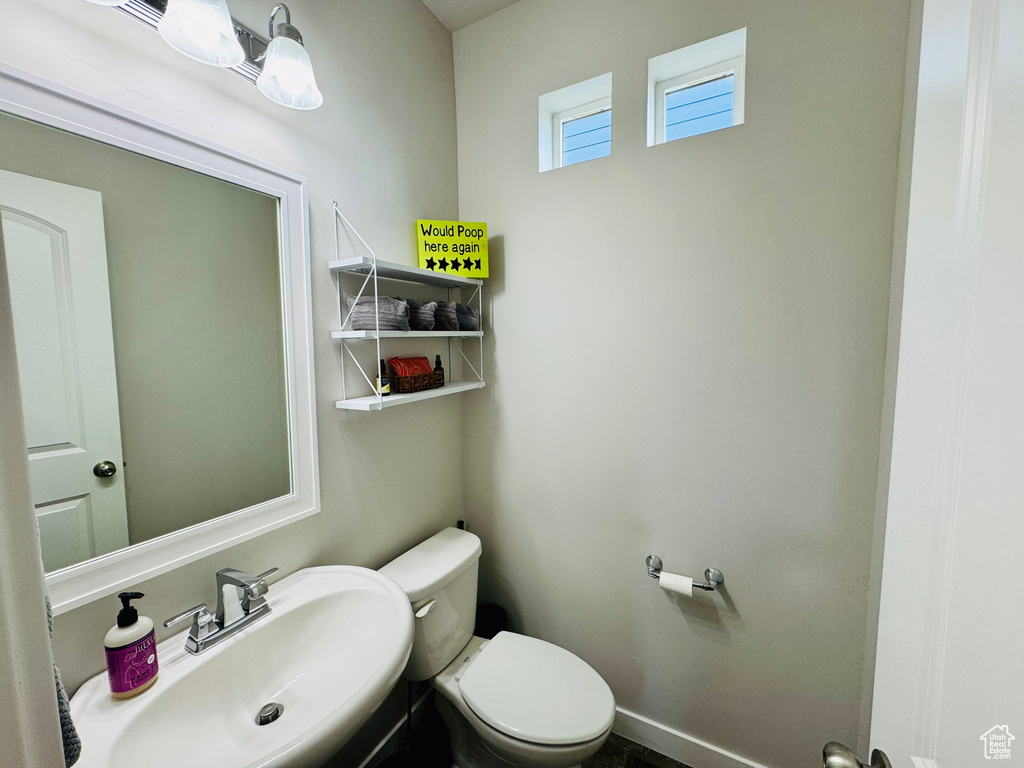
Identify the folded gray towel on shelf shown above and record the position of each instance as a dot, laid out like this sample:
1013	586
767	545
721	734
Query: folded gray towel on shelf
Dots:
445	318
469	318
394	314
421	316
72	744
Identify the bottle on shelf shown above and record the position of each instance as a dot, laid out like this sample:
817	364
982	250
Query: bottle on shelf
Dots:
438	368
383	382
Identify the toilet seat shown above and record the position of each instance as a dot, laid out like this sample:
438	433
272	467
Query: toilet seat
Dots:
536	692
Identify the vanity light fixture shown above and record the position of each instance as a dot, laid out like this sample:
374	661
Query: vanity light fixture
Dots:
202	30
287	76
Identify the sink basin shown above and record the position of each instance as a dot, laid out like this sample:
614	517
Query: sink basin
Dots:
334	645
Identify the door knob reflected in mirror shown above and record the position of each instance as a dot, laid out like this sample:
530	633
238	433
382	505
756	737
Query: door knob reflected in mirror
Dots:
105	469
836	755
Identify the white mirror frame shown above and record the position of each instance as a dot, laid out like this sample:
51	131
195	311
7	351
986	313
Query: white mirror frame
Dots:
41	101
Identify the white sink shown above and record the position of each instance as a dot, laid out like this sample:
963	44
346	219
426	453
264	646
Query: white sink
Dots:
335	643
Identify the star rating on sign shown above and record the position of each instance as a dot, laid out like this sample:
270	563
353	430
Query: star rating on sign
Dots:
455	265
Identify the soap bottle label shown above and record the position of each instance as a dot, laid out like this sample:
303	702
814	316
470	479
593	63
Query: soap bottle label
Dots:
132	665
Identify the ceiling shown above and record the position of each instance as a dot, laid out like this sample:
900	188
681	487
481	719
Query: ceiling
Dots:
456	14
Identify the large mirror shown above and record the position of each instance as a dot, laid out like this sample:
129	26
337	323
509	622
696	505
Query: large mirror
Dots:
161	324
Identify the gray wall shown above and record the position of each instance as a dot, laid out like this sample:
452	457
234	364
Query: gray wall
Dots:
383	145
195	306
688	353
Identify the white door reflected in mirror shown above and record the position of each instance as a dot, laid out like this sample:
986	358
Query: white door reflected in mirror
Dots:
57	262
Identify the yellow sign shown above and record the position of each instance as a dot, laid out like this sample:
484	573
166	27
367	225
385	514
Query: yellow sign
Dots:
453	247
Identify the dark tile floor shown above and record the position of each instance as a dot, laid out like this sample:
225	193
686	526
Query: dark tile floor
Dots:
429	746
429	749
618	751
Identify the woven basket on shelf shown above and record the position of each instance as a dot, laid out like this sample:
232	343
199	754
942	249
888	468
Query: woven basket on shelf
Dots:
405	385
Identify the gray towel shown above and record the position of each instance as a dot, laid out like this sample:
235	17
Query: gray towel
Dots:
394	314
72	744
469	318
445	318
421	316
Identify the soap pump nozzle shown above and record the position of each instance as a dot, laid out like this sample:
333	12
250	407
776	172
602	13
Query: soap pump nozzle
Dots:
128	615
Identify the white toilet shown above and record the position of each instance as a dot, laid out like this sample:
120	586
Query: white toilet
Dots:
510	701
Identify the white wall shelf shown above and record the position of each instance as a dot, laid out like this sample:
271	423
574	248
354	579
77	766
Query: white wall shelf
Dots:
372	270
374	403
363	265
407	334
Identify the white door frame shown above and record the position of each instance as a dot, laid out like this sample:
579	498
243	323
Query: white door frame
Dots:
925	505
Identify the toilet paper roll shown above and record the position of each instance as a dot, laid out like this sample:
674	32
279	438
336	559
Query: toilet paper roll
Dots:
674	582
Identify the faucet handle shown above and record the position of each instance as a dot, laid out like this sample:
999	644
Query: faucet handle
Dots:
266	573
202	626
252	594
178	618
258	586
201	619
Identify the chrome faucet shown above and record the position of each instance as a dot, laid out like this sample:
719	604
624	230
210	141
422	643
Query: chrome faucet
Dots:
233	612
253	590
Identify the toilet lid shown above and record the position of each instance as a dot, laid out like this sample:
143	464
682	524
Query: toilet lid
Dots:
537	692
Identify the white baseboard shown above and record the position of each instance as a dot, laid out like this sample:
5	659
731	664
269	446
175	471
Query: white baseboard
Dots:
676	744
390	743
924	762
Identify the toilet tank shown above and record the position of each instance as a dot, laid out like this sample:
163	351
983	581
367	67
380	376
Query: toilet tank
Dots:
439	577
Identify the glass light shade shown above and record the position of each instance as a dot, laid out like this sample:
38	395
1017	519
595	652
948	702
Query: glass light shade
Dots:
287	76
202	30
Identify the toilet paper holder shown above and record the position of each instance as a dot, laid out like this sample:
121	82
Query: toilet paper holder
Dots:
712	576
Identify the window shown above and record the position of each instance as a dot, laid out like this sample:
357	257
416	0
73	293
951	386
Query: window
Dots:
575	123
696	89
699	107
583	134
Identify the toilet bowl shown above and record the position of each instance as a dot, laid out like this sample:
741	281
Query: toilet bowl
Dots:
510	701
522	710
